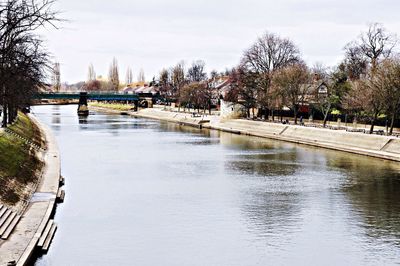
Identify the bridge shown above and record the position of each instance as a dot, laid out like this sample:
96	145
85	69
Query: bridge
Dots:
143	100
96	96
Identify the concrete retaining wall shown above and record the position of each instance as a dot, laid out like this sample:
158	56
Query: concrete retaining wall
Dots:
247	126
180	118
336	137
392	146
371	145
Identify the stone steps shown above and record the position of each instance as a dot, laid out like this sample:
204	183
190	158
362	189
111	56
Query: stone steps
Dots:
11	227
27	141
4	217
8	221
47	236
3	209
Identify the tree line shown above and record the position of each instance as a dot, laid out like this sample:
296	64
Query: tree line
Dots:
24	61
272	77
113	84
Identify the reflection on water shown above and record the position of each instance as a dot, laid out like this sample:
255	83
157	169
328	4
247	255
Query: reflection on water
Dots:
142	192
374	192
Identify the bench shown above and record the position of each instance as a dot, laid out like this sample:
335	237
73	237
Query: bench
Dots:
355	130
379	132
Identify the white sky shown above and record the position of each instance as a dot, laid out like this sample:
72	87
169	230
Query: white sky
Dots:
152	34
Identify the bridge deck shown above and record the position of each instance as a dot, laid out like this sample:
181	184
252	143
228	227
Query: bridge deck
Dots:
90	96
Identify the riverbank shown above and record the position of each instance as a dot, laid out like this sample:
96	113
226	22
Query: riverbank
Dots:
32	226
383	147
19	163
174	117
55	102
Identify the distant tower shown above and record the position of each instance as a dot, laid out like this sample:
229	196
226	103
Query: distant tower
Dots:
56	80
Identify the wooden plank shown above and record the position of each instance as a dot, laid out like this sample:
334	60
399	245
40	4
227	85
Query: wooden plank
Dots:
11	227
46	231
2	211
49	238
60	195
62	180
7	223
4	217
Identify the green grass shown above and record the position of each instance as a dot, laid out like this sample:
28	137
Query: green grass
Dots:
25	128
18	161
114	106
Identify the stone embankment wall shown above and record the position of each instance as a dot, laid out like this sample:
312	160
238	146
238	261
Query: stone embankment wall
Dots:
372	145
180	118
157	114
383	147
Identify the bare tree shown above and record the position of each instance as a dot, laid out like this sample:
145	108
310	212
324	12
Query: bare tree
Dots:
366	98
355	63
24	63
165	85
386	79
91	73
294	83
268	54
373	45
93	85
330	86
114	75
129	76
178	79
193	95
196	72
214	74
141	76
56	78
207	94
241	91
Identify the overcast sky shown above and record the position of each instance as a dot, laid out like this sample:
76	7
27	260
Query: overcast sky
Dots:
152	34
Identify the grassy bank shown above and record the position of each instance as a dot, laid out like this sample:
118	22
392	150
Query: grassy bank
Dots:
114	106
19	164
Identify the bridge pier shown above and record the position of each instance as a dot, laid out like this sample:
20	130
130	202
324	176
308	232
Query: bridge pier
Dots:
83	109
149	102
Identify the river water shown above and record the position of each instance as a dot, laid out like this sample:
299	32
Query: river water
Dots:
143	192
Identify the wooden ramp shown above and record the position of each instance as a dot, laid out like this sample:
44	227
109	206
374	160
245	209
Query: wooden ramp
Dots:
8	221
47	236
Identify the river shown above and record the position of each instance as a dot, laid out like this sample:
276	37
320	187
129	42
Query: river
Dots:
143	192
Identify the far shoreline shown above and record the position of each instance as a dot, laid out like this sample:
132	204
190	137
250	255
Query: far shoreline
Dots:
376	146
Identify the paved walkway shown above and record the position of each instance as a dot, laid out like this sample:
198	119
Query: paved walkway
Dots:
21	244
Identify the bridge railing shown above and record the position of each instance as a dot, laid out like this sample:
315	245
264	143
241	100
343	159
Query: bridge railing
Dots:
100	96
88	92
